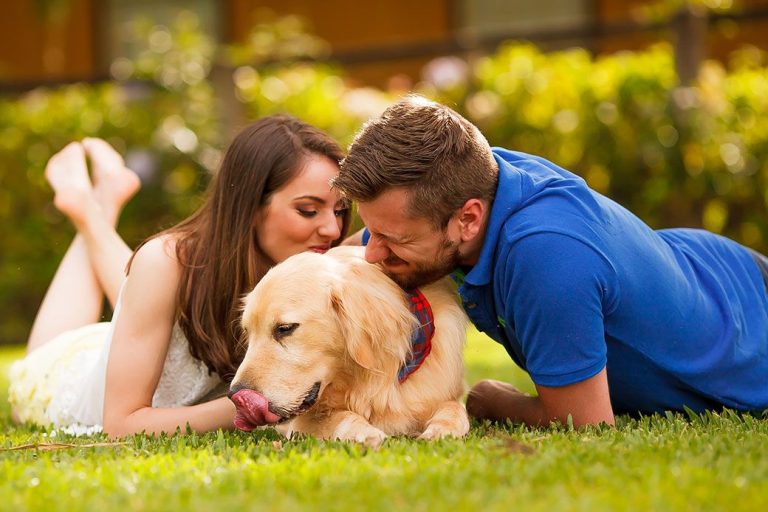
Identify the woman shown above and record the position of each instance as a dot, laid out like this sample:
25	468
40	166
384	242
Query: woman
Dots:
174	338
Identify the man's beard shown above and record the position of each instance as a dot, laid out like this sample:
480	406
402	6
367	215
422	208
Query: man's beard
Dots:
424	273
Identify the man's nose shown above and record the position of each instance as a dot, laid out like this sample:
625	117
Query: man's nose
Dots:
375	251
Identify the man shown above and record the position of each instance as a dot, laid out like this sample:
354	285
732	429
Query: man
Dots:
605	314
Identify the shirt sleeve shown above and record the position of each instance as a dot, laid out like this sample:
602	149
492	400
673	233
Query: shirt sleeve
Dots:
558	290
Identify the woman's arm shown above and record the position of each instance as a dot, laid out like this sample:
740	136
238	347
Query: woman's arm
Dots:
139	348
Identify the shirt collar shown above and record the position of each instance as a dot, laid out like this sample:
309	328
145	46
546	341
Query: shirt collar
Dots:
508	198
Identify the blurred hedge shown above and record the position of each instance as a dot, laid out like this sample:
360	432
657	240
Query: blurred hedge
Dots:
162	112
694	156
676	156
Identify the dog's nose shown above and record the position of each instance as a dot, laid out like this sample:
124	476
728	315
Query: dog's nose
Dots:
234	388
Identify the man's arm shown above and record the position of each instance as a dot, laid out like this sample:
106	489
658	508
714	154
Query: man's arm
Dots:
558	291
354	239
587	402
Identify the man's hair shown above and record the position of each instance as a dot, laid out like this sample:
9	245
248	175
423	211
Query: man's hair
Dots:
440	158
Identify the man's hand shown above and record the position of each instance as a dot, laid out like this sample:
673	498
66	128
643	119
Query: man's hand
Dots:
587	403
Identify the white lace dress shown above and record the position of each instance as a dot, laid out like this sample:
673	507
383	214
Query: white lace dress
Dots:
62	383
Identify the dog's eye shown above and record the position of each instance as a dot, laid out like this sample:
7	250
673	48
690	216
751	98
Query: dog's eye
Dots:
282	330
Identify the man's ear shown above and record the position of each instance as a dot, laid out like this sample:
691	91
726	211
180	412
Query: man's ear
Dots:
470	218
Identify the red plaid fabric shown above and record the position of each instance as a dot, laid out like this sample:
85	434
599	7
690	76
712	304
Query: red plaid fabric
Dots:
421	338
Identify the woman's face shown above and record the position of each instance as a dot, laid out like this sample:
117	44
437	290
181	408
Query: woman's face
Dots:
303	215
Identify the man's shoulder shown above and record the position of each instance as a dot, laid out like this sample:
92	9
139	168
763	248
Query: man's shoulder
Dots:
550	256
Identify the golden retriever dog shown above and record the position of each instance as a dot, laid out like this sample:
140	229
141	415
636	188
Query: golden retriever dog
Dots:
328	337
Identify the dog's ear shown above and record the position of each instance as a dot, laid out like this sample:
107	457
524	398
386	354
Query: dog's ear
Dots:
375	322
357	342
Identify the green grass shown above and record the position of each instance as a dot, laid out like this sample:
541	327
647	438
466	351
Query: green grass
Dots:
711	462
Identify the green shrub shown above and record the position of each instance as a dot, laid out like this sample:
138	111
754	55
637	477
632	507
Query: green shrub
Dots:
166	127
694	156
160	111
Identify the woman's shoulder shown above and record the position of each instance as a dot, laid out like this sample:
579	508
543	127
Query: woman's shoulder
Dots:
153	279
156	256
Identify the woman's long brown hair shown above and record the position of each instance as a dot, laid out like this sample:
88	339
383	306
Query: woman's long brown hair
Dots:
216	246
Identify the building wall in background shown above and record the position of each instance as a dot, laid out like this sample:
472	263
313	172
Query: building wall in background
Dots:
722	37
67	40
374	40
39	45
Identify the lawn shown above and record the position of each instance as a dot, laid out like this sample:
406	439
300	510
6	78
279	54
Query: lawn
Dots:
712	462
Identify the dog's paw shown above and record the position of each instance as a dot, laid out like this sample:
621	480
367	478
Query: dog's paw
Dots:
371	439
439	430
450	420
360	432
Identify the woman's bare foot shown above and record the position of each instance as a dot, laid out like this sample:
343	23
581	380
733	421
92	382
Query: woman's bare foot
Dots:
114	183
67	174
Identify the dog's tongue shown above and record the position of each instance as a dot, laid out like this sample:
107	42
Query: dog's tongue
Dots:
252	410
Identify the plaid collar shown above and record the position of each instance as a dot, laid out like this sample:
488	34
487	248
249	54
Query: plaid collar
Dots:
421	338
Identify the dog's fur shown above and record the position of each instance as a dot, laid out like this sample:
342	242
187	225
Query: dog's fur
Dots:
353	334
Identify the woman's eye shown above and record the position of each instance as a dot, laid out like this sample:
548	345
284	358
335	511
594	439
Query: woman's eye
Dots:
341	212
307	213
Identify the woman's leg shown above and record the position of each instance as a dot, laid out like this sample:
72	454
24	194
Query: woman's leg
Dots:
95	261
74	297
113	185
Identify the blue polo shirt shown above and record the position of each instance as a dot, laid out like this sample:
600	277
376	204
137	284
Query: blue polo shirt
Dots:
570	282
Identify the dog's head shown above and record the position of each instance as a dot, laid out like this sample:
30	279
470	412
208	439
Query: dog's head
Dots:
310	319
